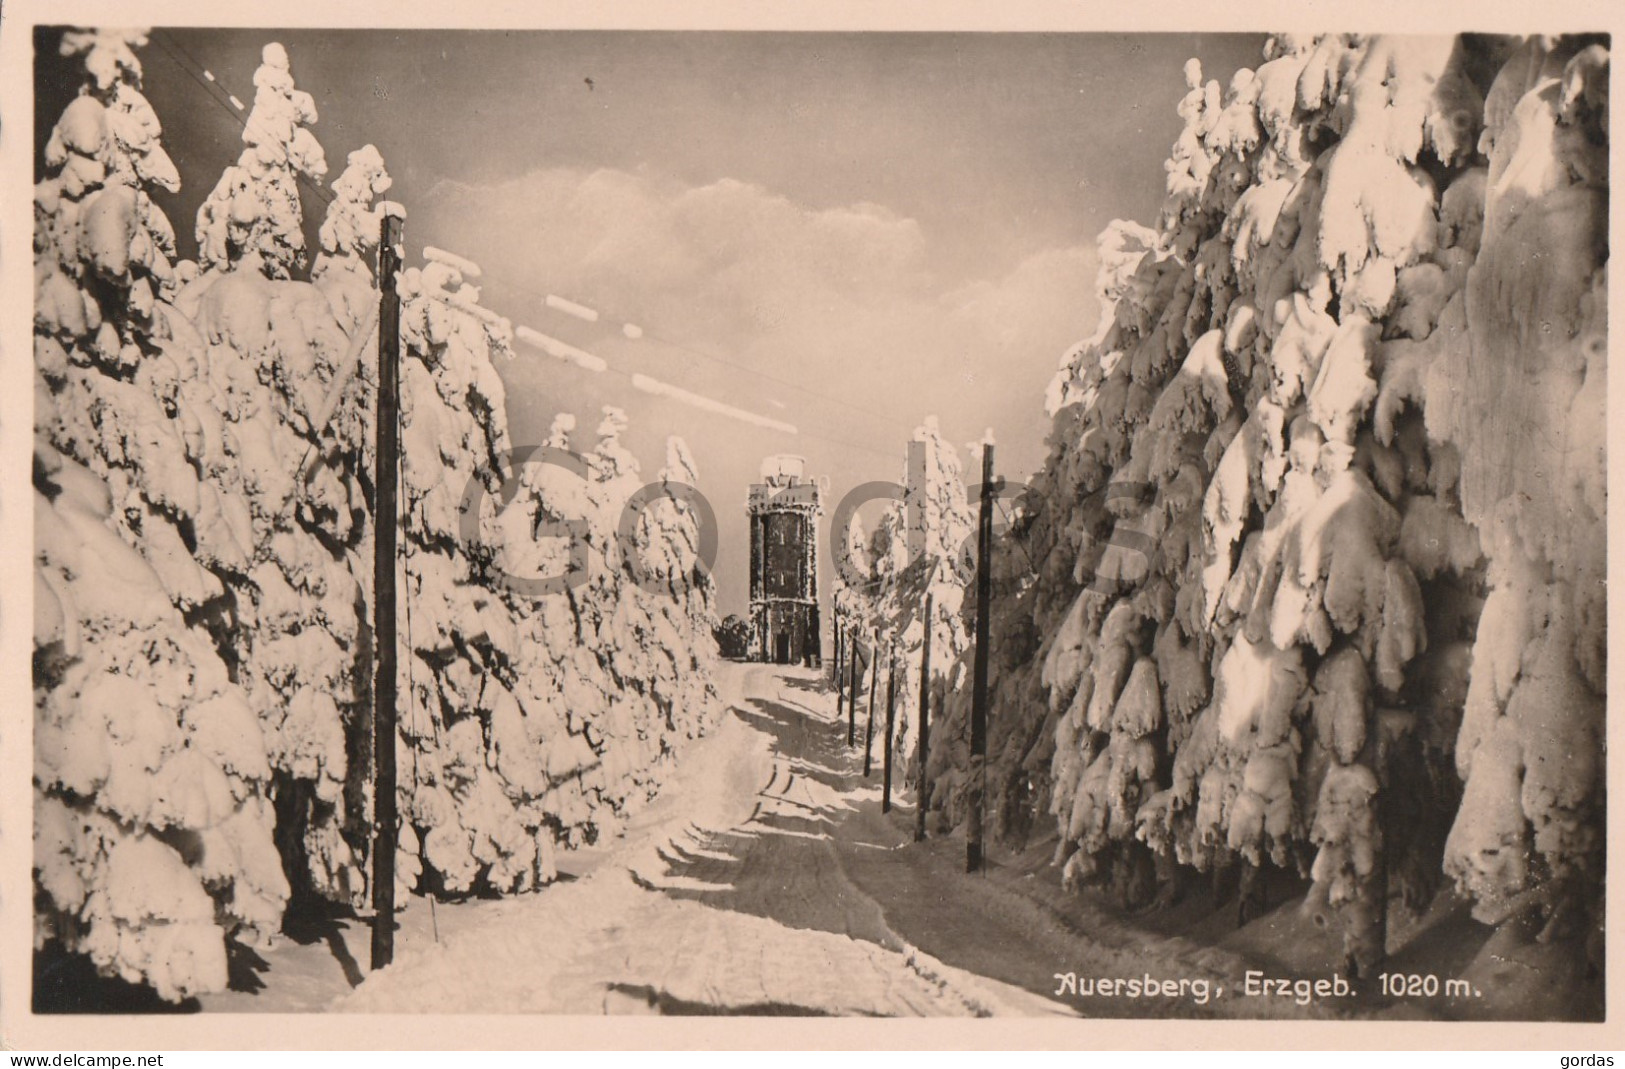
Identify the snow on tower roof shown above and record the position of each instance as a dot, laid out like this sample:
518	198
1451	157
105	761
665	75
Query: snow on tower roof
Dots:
784	465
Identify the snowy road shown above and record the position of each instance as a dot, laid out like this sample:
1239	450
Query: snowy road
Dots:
730	896
764	879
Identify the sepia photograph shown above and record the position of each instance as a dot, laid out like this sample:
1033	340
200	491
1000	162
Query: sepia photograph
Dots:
811	523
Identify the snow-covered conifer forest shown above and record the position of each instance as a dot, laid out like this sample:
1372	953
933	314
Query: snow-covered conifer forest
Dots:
1314	576
203	557
1309	593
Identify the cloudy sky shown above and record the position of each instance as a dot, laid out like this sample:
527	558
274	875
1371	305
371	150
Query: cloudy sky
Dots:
846	232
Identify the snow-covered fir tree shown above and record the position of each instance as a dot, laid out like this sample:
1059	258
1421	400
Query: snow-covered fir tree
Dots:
153	820
1321	525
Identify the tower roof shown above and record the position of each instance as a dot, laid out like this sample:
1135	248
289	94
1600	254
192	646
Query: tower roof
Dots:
784	485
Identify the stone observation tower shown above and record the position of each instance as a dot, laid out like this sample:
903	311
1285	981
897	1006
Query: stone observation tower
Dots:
784	509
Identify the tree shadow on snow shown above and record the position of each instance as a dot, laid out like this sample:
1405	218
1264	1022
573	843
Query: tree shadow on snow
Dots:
819	746
782	864
243	968
819	684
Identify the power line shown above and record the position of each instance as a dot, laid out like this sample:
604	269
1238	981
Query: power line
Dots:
554	301
597	364
849	444
212	87
206	79
801	432
200	79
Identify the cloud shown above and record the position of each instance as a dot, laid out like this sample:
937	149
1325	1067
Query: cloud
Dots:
847	300
651	242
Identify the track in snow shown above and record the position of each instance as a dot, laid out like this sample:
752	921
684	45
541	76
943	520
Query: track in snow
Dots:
731	896
763	880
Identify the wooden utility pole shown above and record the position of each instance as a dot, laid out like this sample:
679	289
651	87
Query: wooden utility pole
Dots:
874	685
852	693
840	669
385	524
978	709
922	750
891	726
